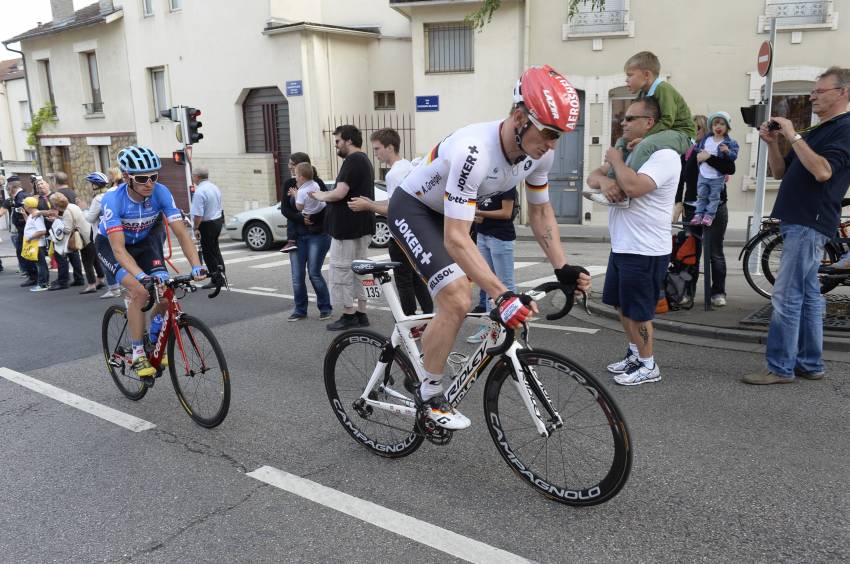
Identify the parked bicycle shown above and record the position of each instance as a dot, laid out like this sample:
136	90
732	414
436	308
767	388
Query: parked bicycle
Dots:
198	370
762	253
554	425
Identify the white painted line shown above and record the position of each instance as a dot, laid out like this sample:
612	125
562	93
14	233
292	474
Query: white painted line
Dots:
179	255
593	270
261	289
285	262
257	256
420	531
566	328
98	410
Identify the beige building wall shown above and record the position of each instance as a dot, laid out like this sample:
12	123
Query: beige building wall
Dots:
16	99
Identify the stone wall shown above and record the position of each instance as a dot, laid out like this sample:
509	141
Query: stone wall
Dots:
83	160
246	180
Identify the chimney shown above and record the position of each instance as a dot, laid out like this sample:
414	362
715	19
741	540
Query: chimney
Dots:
62	10
106	7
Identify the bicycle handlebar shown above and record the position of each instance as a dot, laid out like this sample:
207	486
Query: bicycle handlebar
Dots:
183	281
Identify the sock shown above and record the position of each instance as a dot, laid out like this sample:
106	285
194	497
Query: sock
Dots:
138	349
431	386
633	349
649	362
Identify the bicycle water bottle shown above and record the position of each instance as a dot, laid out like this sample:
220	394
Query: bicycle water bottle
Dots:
156	326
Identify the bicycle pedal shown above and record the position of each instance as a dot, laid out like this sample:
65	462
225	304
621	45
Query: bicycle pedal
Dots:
148	382
432	432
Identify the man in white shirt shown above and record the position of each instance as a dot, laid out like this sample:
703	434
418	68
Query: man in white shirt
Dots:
641	241
208	219
411	287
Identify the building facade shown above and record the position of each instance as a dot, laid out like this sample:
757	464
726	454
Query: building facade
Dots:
707	51
16	156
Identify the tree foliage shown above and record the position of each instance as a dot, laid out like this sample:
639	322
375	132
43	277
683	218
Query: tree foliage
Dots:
482	16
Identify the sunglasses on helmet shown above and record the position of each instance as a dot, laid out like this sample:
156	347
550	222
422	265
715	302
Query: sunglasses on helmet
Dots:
144	178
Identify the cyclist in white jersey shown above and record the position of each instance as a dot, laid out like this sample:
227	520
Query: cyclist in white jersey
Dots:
431	213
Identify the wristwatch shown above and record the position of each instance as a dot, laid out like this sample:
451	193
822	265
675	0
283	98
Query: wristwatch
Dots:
796	138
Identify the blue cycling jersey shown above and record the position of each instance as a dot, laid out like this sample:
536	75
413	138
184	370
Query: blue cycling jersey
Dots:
136	219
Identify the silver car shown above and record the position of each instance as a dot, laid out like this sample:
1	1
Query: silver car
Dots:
261	228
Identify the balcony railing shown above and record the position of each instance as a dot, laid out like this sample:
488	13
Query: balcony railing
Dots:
608	21
93	108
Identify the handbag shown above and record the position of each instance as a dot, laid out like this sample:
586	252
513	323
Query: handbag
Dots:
75	241
29	250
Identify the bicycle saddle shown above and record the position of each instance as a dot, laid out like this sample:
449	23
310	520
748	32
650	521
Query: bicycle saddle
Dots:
372	267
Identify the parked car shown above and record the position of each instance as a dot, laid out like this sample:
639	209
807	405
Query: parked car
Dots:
262	228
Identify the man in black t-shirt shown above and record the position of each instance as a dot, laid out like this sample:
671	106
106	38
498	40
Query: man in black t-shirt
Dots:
350	231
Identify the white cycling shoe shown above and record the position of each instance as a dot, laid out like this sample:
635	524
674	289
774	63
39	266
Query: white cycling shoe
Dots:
440	411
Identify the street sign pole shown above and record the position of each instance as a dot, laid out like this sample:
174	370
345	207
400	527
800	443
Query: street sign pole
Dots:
761	164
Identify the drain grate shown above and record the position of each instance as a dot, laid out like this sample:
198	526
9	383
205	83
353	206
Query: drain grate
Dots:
837	314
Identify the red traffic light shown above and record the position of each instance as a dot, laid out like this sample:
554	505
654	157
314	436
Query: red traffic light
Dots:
179	157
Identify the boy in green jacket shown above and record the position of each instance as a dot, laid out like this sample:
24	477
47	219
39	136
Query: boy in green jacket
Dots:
675	128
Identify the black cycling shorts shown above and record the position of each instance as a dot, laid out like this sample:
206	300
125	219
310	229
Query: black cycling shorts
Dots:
419	232
147	253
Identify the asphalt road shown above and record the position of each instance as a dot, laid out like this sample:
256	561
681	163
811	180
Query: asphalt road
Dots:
722	471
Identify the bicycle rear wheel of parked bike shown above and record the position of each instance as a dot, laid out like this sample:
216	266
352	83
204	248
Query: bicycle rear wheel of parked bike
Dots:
118	352
584	462
199	372
764	255
349	362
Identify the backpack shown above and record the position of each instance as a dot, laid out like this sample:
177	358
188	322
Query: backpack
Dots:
682	272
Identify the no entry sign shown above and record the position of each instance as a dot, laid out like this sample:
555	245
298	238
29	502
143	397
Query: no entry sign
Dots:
765	57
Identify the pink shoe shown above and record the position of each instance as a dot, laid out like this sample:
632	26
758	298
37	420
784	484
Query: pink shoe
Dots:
696	220
708	220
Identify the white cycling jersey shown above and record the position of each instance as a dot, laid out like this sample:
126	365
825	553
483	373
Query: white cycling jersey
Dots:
470	164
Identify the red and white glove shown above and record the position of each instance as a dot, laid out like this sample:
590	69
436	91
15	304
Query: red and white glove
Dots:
513	310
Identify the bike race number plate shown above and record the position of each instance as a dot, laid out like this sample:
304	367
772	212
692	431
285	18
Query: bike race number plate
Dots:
372	288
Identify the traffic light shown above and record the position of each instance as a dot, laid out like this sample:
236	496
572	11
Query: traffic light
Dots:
171	113
193	126
754	115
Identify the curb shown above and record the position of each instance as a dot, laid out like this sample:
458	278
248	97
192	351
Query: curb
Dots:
724	333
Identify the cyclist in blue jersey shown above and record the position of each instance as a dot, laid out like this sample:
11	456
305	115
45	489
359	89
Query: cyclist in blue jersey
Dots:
130	238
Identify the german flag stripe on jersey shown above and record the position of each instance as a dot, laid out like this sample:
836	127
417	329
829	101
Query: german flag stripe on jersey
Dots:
534	188
433	154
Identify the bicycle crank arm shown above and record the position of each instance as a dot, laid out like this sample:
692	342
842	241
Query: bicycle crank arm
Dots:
391	407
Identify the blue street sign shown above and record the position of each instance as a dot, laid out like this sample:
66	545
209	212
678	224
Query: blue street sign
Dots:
427	103
293	88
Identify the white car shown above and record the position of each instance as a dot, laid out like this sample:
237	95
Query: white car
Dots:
261	228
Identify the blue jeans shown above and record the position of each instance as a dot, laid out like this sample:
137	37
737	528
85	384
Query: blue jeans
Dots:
795	338
41	267
500	256
308	259
708	195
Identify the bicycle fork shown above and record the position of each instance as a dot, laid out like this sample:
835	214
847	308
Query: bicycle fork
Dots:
530	390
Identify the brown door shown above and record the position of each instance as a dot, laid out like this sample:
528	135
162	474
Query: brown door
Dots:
266	117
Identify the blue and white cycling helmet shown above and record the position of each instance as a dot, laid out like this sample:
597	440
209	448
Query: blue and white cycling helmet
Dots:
136	160
98	179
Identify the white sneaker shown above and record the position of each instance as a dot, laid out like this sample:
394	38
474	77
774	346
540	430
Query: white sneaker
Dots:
639	374
623	366
111	293
479	336
441	412
718	300
595	195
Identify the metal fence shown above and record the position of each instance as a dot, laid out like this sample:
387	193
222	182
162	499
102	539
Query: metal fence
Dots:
368	124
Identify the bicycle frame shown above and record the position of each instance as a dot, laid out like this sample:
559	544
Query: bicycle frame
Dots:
466	377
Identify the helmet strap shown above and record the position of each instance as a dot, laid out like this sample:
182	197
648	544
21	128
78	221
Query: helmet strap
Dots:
519	133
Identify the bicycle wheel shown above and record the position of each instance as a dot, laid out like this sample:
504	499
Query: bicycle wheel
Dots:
203	387
118	352
761	262
349	363
586	461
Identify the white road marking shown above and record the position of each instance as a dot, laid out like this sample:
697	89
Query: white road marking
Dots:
593	270
565	328
176	255
98	410
261	289
285	262
420	531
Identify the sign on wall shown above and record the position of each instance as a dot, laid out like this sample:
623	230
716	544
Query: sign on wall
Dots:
293	88
427	103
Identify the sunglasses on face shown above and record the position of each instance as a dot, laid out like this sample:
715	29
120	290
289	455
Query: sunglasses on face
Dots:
632	118
145	178
549	134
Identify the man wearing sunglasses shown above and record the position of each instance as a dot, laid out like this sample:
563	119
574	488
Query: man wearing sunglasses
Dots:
431	212
130	238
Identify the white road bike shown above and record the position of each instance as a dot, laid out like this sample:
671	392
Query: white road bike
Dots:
554	425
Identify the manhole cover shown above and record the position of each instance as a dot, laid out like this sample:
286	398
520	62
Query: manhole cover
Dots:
837	316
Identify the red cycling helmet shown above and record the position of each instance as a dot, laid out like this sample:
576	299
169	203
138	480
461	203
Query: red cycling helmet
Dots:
551	100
